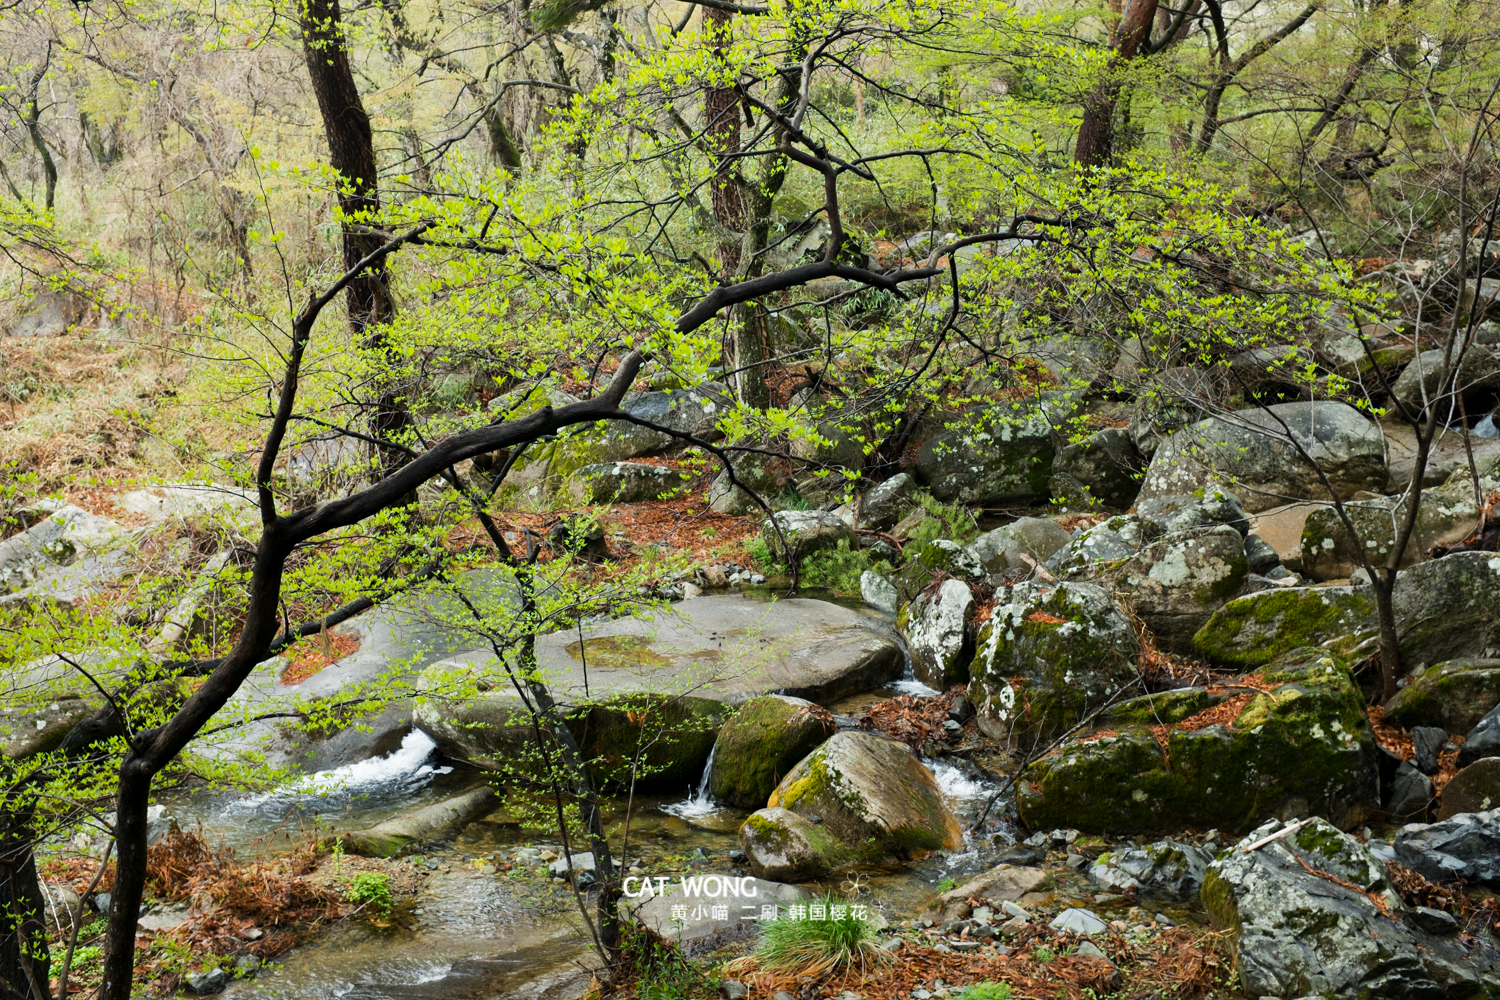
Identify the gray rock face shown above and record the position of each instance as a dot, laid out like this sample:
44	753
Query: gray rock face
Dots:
1019	546
1076	920
1177	397
934	626
1428	742
1048	656
707	653
1446	514
1000	458
886	503
1466	846
1456	695
1411	792
1483	740
1208	508
756	472
807	531
625	482
685	914
1176	584
1105	465
1448	608
1098	549
691	411
1296	934
1250	453
1476	788
878	592
1418	385
1260	555
69	555
208	981
1163	870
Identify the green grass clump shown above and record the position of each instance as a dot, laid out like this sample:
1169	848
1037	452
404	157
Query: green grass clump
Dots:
816	947
371	890
988	990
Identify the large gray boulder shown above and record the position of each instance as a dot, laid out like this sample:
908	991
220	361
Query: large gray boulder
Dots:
1096	551
1251	453
1166	869
1105	467
935	626
760	744
1464	847
1454	696
712	912
691	411
626	482
999	457
1419	384
1295	933
804	532
1176	584
1445	514
1048	656
886	503
857	799
1205	508
68	556
755	471
1449	608
688	664
1019	547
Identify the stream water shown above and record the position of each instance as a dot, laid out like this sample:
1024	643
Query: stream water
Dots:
490	937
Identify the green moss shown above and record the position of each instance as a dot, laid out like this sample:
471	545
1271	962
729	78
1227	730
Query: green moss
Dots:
1162	708
619	652
759	746
1302	747
1454	696
1256	629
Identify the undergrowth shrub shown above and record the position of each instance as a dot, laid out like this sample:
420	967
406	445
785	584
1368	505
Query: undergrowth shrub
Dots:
371	890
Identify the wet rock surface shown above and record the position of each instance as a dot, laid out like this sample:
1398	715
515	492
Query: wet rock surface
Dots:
1297	933
760	744
1165	870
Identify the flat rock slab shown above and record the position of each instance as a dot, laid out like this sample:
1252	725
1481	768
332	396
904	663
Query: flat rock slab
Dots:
701	914
727	649
161	503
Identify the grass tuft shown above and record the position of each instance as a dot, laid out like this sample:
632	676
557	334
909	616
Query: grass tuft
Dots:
816	947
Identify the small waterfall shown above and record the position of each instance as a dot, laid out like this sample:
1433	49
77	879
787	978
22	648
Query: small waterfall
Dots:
701	802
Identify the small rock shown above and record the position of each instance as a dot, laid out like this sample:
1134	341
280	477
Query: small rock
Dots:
1014	910
1436	921
1090	950
737	856
1079	921
247	965
1076	861
1015	925
984	914
965	945
952	728
1428	741
547	856
731	989
488	870
254	934
208	981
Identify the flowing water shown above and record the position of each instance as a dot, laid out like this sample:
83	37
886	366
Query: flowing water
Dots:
485	937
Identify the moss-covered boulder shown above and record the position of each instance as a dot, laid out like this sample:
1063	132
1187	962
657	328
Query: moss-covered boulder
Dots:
1294	740
1176	584
935	626
1345	934
1254	630
1205	508
785	847
1048	656
403	833
1453	696
1448	608
760	744
866	798
1445	514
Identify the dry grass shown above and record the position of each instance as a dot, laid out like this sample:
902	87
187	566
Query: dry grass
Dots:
316	652
911	719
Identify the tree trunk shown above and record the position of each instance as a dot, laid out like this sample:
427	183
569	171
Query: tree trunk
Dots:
34	129
1096	132
351	151
24	963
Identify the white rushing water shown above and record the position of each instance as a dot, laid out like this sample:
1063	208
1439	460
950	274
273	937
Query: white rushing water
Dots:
395	775
699	804
912	686
958	788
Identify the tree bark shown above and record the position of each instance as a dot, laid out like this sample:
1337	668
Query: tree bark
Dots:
1230	70
34	129
351	151
24	962
1096	132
